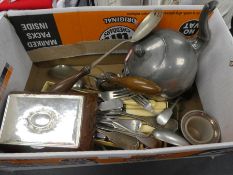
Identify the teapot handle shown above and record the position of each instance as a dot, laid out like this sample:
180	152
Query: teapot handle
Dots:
204	31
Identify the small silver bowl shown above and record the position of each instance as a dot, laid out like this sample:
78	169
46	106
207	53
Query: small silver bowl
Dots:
199	128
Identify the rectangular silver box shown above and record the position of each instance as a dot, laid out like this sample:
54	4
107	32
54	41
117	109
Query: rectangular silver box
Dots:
39	120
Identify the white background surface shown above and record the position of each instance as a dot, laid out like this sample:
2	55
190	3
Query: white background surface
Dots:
12	51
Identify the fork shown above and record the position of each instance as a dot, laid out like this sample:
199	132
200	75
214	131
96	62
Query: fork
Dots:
125	93
117	127
144	102
121	93
151	121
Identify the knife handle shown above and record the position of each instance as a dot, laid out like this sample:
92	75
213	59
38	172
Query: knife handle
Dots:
136	84
139	112
155	104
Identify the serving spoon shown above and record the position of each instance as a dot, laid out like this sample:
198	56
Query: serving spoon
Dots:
165	115
145	27
169	137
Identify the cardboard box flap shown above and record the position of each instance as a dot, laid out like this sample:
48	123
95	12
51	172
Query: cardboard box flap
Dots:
100	8
15	65
215	76
75	50
47	28
114	154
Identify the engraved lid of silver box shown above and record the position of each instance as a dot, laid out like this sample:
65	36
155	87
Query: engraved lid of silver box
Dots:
42	120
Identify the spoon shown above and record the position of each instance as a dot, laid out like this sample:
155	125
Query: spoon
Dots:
145	27
168	136
132	128
163	134
165	115
61	71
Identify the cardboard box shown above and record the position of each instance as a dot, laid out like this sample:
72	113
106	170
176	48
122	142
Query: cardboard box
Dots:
214	79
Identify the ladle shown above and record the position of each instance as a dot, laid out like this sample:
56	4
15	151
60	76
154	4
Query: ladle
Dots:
145	27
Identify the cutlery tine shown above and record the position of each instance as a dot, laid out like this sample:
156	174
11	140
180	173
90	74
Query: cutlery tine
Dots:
143	101
122	93
121	90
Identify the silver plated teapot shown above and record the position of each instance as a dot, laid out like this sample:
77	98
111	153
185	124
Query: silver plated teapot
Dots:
169	59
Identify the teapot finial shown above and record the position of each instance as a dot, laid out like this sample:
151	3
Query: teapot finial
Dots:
204	32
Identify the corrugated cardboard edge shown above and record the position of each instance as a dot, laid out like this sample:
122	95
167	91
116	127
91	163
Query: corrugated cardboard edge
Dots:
115	154
78	49
101	8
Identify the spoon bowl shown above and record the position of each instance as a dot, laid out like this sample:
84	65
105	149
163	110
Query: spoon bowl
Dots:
169	137
165	115
61	71
146	26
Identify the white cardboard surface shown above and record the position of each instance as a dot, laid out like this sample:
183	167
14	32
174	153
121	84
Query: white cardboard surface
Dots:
13	53
215	76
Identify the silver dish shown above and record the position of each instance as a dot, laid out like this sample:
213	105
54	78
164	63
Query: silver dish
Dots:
199	128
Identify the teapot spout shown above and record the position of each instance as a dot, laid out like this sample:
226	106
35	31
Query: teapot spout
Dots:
203	35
